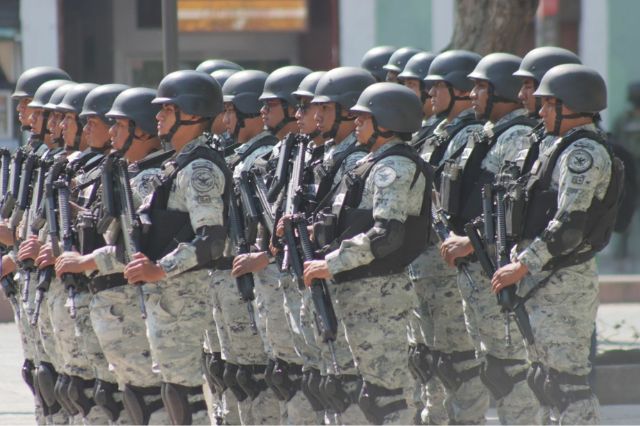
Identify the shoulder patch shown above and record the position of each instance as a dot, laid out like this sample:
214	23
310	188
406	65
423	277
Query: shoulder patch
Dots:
146	184
203	179
384	176
579	160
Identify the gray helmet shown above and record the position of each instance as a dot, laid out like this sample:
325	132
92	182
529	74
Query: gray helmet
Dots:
45	91
193	92
541	59
221	76
375	59
498	69
135	104
399	59
211	65
282	82
633	92
74	98
243	90
58	96
307	86
31	79
579	87
417	66
342	85
453	67
393	107
100	99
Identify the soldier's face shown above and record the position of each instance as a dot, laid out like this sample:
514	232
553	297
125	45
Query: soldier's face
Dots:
229	117
392	77
24	112
69	128
440	97
272	112
325	116
36	119
364	127
479	96
218	125
548	113
166	118
526	94
413	84
119	132
54	123
97	131
305	115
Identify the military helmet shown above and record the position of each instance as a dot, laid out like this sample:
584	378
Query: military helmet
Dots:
394	107
243	90
307	86
541	59
579	87
221	76
399	58
31	79
375	59
342	85
135	104
417	66
193	92
633	92
100	99
58	96
498	69
74	98
211	65
452	67
45	91
282	82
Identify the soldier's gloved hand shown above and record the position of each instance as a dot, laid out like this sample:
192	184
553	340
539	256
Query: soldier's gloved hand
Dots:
75	263
29	249
141	269
6	235
45	256
508	275
249	262
315	269
454	247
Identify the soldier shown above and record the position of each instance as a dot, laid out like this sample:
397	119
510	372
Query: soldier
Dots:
572	196
397	61
375	58
189	201
494	97
381	199
222	138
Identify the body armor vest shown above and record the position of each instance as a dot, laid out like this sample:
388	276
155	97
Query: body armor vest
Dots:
425	133
233	159
325	173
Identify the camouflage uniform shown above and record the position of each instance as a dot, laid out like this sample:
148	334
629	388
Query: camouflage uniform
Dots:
379	351
563	311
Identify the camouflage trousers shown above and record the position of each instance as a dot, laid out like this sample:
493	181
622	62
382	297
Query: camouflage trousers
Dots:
562	315
486	325
122	333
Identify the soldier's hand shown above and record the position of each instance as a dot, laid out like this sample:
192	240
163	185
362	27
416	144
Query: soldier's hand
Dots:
29	249
45	256
455	247
6	235
280	226
315	269
75	263
141	269
8	265
508	275
273	249
250	262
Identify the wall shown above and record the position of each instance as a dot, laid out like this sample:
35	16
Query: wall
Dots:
404	23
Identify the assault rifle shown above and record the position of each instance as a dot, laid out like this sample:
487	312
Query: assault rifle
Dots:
13	182
9	285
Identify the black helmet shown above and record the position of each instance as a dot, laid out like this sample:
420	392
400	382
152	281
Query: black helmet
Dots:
633	92
193	92
45	91
453	67
375	59
221	76
399	59
417	66
307	86
211	65
243	90
58	96
578	87
135	104
100	99
541	59
498	69
74	98
393	107
281	83
342	85
31	79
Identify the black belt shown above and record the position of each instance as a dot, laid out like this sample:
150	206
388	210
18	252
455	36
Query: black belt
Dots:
106	282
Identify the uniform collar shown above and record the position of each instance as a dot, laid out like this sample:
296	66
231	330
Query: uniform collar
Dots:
245	146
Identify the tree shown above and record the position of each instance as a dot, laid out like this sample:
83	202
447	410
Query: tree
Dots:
486	26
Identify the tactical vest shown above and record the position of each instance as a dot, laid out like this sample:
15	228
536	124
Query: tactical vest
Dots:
165	229
460	187
442	142
353	220
233	159
425	133
325	173
542	203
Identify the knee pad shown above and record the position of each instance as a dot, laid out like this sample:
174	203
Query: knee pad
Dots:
340	392
77	396
372	410
103	396
559	398
60	389
176	400
27	374
247	381
422	361
137	408
216	370
450	377
535	379
495	377
310	388
268	378
46	377
282	379
229	377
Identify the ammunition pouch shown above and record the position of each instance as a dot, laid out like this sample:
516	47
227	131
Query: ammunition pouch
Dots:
230	380
103	396
176	400
62	384
324	228
369	403
87	231
420	363
560	399
451	187
445	369
339	392
45	383
106	282
213	366
248	381
137	408
77	396
27	374
310	387
515	210
281	379
495	377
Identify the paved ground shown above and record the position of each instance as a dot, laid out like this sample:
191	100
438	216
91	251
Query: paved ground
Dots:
618	328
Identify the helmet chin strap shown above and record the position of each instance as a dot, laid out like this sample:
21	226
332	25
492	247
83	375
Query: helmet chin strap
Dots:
376	133
285	120
166	138
336	123
42	132
559	117
492	99
453	99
